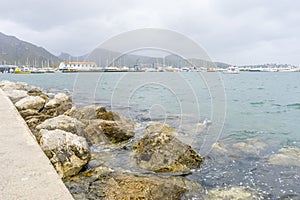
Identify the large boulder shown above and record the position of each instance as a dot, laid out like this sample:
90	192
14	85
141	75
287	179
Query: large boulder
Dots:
67	152
58	105
233	193
30	102
65	123
162	152
87	113
116	131
103	127
16	95
37	92
97	112
108	132
8	85
104	183
95	134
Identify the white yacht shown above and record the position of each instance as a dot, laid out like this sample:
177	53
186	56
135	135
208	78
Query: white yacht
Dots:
232	70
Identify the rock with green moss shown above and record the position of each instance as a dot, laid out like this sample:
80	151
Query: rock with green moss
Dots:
156	127
105	183
163	152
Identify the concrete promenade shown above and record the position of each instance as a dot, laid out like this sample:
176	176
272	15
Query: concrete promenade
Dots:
25	171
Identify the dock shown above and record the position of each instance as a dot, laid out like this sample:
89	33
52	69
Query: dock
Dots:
25	171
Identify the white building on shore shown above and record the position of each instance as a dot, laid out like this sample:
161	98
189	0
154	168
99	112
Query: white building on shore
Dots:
80	66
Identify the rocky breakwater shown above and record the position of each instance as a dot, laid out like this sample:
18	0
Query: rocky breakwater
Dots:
67	134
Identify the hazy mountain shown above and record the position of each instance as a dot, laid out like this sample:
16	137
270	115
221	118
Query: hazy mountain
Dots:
104	57
15	51
67	57
222	65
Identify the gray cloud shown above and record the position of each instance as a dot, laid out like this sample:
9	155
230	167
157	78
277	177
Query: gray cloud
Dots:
233	31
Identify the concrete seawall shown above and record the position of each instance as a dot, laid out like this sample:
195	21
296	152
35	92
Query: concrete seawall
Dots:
25	171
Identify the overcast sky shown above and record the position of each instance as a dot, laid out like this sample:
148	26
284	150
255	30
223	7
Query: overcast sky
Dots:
233	31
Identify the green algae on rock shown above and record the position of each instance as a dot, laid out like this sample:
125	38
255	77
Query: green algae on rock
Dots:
105	183
162	152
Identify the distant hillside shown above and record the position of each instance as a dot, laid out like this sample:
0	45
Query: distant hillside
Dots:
222	65
15	51
67	57
103	57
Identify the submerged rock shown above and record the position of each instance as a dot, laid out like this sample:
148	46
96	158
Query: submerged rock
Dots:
65	123
234	193
58	105
162	152
67	152
104	183
30	102
288	156
250	146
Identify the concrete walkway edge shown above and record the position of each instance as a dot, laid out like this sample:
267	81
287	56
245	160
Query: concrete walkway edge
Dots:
25	171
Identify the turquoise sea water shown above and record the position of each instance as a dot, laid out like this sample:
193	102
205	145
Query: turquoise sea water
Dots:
260	106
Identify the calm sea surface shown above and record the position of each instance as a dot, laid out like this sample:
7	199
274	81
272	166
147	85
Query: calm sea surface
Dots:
262	107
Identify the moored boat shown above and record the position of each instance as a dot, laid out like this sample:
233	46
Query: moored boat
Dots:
24	70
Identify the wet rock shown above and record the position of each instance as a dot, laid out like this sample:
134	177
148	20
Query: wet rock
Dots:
86	113
289	156
234	193
103	127
16	95
128	187
104	183
67	152
30	102
156	127
116	131
162	152
106	132
8	85
58	105
65	123
37	92
219	148
95	134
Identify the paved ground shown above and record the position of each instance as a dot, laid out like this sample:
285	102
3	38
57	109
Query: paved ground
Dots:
25	171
